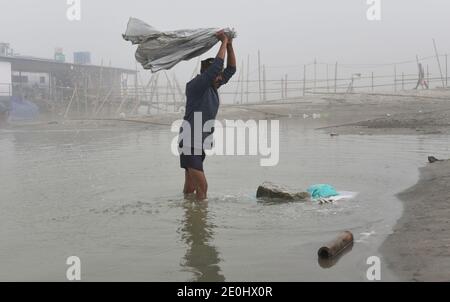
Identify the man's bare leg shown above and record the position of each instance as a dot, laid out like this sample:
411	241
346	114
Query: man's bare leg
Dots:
201	185
189	186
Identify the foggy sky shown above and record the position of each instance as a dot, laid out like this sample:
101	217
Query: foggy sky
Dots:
289	32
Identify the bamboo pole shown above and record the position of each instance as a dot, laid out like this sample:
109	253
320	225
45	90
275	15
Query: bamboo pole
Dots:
328	82
286	86
372	82
150	83
282	88
70	103
439	63
242	83
304	79
248	76
264	82
259	74
154	89
157	95
100	107
395	78
335	77
172	91
315	75
446	70
136	85
403	81
99	88
86	84
237	86
177	85
122	102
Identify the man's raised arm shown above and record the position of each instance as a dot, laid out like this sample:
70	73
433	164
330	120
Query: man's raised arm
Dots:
231	60
231	63
202	82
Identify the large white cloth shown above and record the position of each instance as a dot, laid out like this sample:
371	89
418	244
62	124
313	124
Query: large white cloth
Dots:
159	50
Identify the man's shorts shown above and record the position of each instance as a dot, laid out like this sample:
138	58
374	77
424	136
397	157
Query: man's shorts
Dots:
192	161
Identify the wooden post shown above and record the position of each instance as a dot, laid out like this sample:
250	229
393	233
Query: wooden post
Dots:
259	74
78	103
315	75
439	63
264	83
102	103
372	81
335	77
70	103
428	77
403	81
136	84
154	91
328	82
304	80
154	80
446	70
20	84
242	83
86	84
237	86
282	88
150	87
286	86
99	87
395	78
172	91
248	76
177	85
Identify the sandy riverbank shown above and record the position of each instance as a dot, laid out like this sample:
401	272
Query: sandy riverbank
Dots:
417	112
419	247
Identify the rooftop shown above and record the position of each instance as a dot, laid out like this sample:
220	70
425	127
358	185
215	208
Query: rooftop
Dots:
34	64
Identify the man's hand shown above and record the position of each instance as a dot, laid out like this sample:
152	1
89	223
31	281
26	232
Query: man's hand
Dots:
221	36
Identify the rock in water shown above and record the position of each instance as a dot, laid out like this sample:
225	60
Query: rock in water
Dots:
271	190
432	159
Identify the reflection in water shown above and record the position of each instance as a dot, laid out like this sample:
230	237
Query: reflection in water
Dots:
197	232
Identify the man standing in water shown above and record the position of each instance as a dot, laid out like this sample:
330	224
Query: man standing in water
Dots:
202	101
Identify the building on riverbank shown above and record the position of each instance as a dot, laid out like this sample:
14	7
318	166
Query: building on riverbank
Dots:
54	83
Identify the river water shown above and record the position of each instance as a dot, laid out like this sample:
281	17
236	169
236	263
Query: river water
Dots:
112	197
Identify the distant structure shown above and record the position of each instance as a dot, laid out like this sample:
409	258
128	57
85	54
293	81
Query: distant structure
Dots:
53	82
31	72
82	57
5	50
59	55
